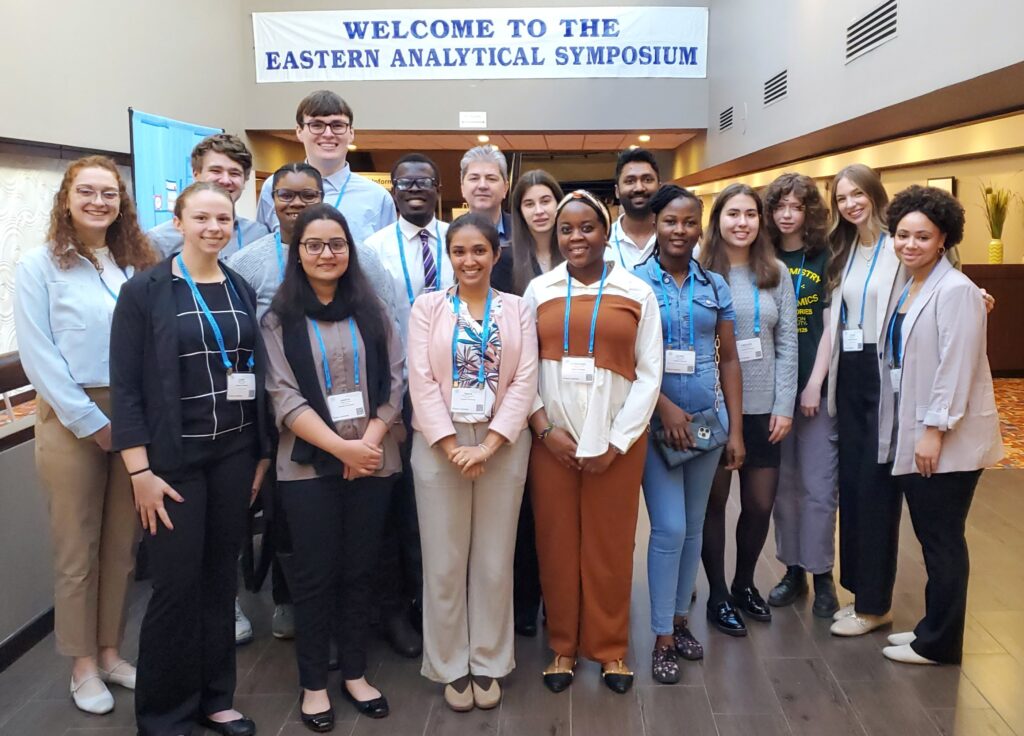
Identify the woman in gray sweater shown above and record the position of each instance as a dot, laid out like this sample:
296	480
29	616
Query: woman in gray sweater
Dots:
737	247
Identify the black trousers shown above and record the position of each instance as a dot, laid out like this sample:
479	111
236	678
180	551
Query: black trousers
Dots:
938	509
280	566
187	644
336	527
870	504
525	568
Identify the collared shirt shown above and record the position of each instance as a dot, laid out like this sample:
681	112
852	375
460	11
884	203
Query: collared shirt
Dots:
62	322
367	206
712	300
616	408
167	240
623	250
384	244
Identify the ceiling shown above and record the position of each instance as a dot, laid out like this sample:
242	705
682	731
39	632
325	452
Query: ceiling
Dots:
529	141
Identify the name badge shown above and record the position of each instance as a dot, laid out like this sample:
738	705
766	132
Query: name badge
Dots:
467	400
853	341
680	361
749	349
577	370
346	406
895	376
241	386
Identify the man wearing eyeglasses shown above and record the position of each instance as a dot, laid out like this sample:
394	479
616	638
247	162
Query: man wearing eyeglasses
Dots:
224	160
323	124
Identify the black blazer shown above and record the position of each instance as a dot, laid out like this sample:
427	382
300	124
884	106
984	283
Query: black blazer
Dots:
145	389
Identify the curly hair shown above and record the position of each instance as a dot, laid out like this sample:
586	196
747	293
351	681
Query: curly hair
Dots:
128	244
939	206
815	212
762	256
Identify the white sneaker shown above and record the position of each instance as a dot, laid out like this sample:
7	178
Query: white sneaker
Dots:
283	624
844	612
99	703
122	674
904	653
243	626
904	637
860	624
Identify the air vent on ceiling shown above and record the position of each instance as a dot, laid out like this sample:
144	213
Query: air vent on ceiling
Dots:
776	87
725	120
871	31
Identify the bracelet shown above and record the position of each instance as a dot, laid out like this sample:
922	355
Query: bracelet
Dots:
132	474
543	434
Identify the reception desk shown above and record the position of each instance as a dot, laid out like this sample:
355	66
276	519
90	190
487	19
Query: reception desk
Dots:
1005	329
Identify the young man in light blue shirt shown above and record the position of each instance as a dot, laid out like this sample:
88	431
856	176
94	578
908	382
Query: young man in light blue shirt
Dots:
323	124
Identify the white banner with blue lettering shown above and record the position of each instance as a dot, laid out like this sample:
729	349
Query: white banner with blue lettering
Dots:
480	43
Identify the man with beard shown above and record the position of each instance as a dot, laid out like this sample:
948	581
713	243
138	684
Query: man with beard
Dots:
632	236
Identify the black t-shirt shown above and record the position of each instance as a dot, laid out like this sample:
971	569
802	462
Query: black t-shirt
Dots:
810	307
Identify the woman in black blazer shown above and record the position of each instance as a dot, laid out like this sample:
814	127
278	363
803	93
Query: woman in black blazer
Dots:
190	419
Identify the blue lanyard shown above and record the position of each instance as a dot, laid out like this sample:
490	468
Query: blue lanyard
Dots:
405	266
757	305
668	303
618	245
238	234
484	336
209	315
864	294
107	286
893	353
593	319
800	278
280	253
341	192
328	383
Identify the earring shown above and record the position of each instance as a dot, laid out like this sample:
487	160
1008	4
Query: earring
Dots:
942	249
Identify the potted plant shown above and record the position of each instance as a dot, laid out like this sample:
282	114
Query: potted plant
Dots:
996	201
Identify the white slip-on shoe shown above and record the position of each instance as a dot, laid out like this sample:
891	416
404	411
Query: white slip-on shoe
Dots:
904	637
122	674
844	612
905	653
860	624
99	703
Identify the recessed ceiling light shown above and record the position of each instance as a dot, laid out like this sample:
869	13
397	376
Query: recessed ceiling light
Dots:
633	147
643	138
483	138
352	146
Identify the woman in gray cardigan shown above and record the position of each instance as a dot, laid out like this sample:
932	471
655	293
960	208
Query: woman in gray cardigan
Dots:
938	425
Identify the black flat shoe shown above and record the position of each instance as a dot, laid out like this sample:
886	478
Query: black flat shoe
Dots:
238	727
557	678
376	708
792	586
319	722
403	638
751	603
826	602
727	619
618	682
526	625
665	665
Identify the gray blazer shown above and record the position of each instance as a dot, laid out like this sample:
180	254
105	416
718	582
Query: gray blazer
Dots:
946	381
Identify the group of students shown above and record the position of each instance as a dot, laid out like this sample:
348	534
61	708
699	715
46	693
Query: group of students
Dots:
468	413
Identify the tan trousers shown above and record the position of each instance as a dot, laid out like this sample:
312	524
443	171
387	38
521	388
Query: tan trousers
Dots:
93	528
468	536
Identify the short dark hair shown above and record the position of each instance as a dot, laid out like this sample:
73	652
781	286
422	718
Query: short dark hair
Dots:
478	221
416	158
636	155
670	192
938	205
298	167
227	144
320	104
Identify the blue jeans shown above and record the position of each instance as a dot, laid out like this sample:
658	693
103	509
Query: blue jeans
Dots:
676	502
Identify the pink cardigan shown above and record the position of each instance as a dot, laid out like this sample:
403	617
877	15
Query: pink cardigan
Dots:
429	352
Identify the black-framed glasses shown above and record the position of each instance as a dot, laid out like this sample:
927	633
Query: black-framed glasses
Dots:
309	196
420	182
338	127
314	246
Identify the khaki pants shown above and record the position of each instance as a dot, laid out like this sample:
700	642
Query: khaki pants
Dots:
468	533
93	528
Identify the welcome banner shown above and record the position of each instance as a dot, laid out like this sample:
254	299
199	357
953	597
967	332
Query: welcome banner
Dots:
482	43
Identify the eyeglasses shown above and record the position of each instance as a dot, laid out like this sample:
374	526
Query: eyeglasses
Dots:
338	127
788	207
107	195
309	196
337	246
406	183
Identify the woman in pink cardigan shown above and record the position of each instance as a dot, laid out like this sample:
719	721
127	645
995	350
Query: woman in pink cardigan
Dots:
472	358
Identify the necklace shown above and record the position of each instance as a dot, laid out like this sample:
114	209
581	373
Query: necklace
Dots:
865	251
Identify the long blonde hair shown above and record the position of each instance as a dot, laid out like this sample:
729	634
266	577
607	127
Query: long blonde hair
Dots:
842	233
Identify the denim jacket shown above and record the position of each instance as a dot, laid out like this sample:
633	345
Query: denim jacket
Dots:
712	299
62	323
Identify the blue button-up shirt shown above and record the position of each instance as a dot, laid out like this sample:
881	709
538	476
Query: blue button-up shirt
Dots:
712	301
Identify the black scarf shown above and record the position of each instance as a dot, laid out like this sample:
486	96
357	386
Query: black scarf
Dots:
299	352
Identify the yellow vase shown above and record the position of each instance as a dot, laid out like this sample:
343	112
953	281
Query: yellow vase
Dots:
995	251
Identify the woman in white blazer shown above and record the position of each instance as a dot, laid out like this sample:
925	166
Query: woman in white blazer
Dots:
938	426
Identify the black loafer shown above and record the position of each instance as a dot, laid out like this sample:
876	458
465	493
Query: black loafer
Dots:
402	636
526	624
558	681
727	619
376	708
238	727
792	586
826	602
618	682
318	722
751	603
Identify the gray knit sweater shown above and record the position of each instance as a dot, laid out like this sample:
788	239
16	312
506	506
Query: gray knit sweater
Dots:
769	384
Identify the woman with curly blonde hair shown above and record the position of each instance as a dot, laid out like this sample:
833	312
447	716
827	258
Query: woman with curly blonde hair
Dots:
65	293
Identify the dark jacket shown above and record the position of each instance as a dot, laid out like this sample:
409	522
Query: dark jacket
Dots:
144	376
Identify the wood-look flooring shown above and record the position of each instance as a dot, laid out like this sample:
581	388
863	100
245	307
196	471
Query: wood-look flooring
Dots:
789	677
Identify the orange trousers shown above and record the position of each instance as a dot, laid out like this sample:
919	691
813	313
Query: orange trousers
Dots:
586	527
